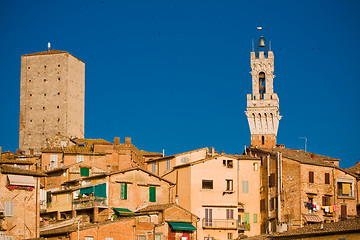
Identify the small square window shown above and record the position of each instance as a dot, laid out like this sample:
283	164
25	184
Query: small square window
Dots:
255	166
28	67
59	65
44	66
44	108
30	80
59	78
30	95
44	94
207	184
44	80
57	107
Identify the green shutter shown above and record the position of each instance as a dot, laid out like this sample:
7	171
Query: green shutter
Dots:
84	172
246	218
255	218
152	194
100	190
123	191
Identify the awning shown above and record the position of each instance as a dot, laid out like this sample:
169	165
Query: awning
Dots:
124	211
98	190
182	226
21	180
312	218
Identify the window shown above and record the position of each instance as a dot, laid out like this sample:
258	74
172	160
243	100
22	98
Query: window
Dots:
207	184
9	208
9	238
229	185
262	205
109	238
153	167
69	197
208	238
208	217
152	194
167	164
255	218
141	237
158	236
272	180
345	189
53	161
229	236
184	160
245	186
327	178
89	238
326	201
311	177
262	140
255	165
63	143
228	163
229	213
246	218
84	172
123	191
273	203
79	158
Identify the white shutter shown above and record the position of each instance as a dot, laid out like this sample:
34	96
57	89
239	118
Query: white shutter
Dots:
9	208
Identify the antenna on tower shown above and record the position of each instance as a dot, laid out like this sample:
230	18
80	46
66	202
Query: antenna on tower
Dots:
252	41
270	45
49	45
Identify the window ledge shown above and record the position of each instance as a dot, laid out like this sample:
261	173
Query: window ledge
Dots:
347	197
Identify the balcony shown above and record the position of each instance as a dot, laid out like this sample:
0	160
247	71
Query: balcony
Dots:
90	202
220	224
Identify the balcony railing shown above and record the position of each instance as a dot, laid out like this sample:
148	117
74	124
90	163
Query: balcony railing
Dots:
220	223
90	202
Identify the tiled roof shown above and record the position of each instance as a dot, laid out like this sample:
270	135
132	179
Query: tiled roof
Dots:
327	229
91	141
15	161
300	155
52	51
242	157
145	153
19	171
355	169
157	207
71	150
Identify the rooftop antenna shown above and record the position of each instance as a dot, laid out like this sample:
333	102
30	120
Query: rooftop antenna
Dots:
269	45
305	142
49	45
252	41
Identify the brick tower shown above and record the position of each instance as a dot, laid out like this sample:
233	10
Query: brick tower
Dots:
263	104
52	98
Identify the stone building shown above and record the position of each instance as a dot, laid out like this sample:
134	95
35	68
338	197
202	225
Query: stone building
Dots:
263	105
19	207
52	98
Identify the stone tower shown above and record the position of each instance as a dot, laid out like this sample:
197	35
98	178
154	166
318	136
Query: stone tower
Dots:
52	98
263	104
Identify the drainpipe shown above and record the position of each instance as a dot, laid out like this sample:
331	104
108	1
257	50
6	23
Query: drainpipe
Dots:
279	173
37	207
176	192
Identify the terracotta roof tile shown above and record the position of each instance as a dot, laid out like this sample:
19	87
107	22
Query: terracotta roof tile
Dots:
19	171
52	51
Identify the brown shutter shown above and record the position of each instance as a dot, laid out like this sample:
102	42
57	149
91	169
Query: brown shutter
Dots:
324	201
272	180
327	178
343	212
311	177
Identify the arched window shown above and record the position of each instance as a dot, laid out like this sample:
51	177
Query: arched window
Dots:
262	84
262	140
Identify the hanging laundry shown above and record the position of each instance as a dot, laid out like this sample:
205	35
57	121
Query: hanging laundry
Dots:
331	209
327	209
335	208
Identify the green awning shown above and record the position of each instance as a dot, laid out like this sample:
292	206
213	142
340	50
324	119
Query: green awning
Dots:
182	226
100	190
123	211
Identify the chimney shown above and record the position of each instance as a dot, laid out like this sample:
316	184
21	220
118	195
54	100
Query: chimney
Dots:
128	140
116	140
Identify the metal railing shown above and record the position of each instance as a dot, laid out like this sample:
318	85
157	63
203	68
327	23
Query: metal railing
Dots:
90	202
220	223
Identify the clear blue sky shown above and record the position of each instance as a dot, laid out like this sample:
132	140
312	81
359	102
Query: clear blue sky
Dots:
175	74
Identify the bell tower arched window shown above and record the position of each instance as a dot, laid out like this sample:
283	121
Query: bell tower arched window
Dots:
262	84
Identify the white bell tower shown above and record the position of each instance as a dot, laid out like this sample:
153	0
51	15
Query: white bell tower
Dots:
263	104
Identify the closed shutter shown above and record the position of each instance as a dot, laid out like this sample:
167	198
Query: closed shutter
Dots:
255	218
84	172
272	180
152	194
9	208
246	218
311	177
327	178
245	186
123	191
